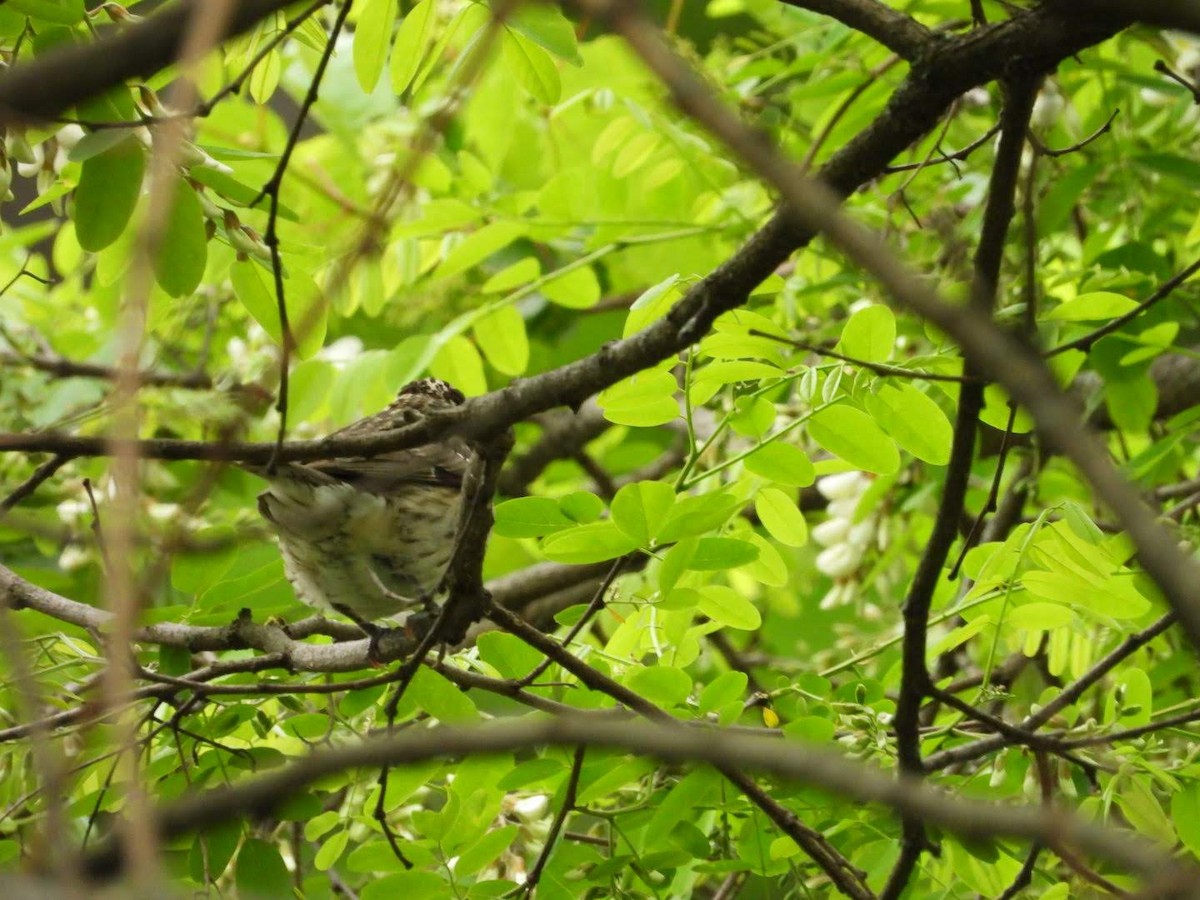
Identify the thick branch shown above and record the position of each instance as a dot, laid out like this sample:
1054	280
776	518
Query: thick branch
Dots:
848	778
69	74
904	36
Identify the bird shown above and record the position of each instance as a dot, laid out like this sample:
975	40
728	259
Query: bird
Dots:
371	538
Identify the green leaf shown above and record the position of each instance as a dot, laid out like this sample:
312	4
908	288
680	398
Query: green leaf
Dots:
753	417
413	40
576	289
723	689
307	726
1095	306
255	287
913	420
442	699
715	553
640	509
108	191
588	544
372	35
546	26
212	851
479	246
532	770
1185	813
782	463
651	305
1144	810
528	517
459	363
663	685
501	336
265	78
532	67
486	850
374	856
235	192
697	515
261	871
414	884
727	607
60	12
331	851
1040	616
869	334
510	656
781	517
644	400
96	142
853	435
581	506
183	245
1062	196
769	568
1113	597
687	798
519	273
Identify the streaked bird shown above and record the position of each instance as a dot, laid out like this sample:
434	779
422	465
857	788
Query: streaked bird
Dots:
371	538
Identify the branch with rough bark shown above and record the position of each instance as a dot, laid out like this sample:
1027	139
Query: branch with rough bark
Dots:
850	779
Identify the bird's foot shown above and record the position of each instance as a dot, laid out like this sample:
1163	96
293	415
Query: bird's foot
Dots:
417	625
375	633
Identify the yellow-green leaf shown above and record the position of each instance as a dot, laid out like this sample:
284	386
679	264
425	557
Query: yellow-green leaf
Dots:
372	35
413	39
459	363
913	420
533	67
644	399
853	435
869	334
781	517
502	338
588	544
641	508
479	246
576	289
1090	307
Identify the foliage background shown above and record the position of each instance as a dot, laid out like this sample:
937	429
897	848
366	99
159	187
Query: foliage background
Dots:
486	194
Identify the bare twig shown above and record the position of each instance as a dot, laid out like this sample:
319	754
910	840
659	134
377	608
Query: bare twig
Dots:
39	475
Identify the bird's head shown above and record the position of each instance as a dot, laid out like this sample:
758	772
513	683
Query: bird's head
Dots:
434	389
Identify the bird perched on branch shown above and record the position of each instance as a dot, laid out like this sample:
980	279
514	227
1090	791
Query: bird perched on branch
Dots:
371	538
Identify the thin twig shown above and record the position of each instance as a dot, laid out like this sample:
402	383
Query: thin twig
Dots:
1162	293
42	473
271	236
560	819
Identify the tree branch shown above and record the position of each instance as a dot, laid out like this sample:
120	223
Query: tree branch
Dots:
69	74
854	780
904	36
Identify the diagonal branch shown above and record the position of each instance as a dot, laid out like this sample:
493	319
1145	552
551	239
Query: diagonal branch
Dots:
903	35
996	354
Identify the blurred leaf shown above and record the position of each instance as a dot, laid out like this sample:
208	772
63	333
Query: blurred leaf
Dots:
108	191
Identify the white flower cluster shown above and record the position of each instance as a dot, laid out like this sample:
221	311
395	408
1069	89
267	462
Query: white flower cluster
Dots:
845	539
42	161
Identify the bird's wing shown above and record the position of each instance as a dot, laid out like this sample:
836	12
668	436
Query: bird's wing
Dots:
435	465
